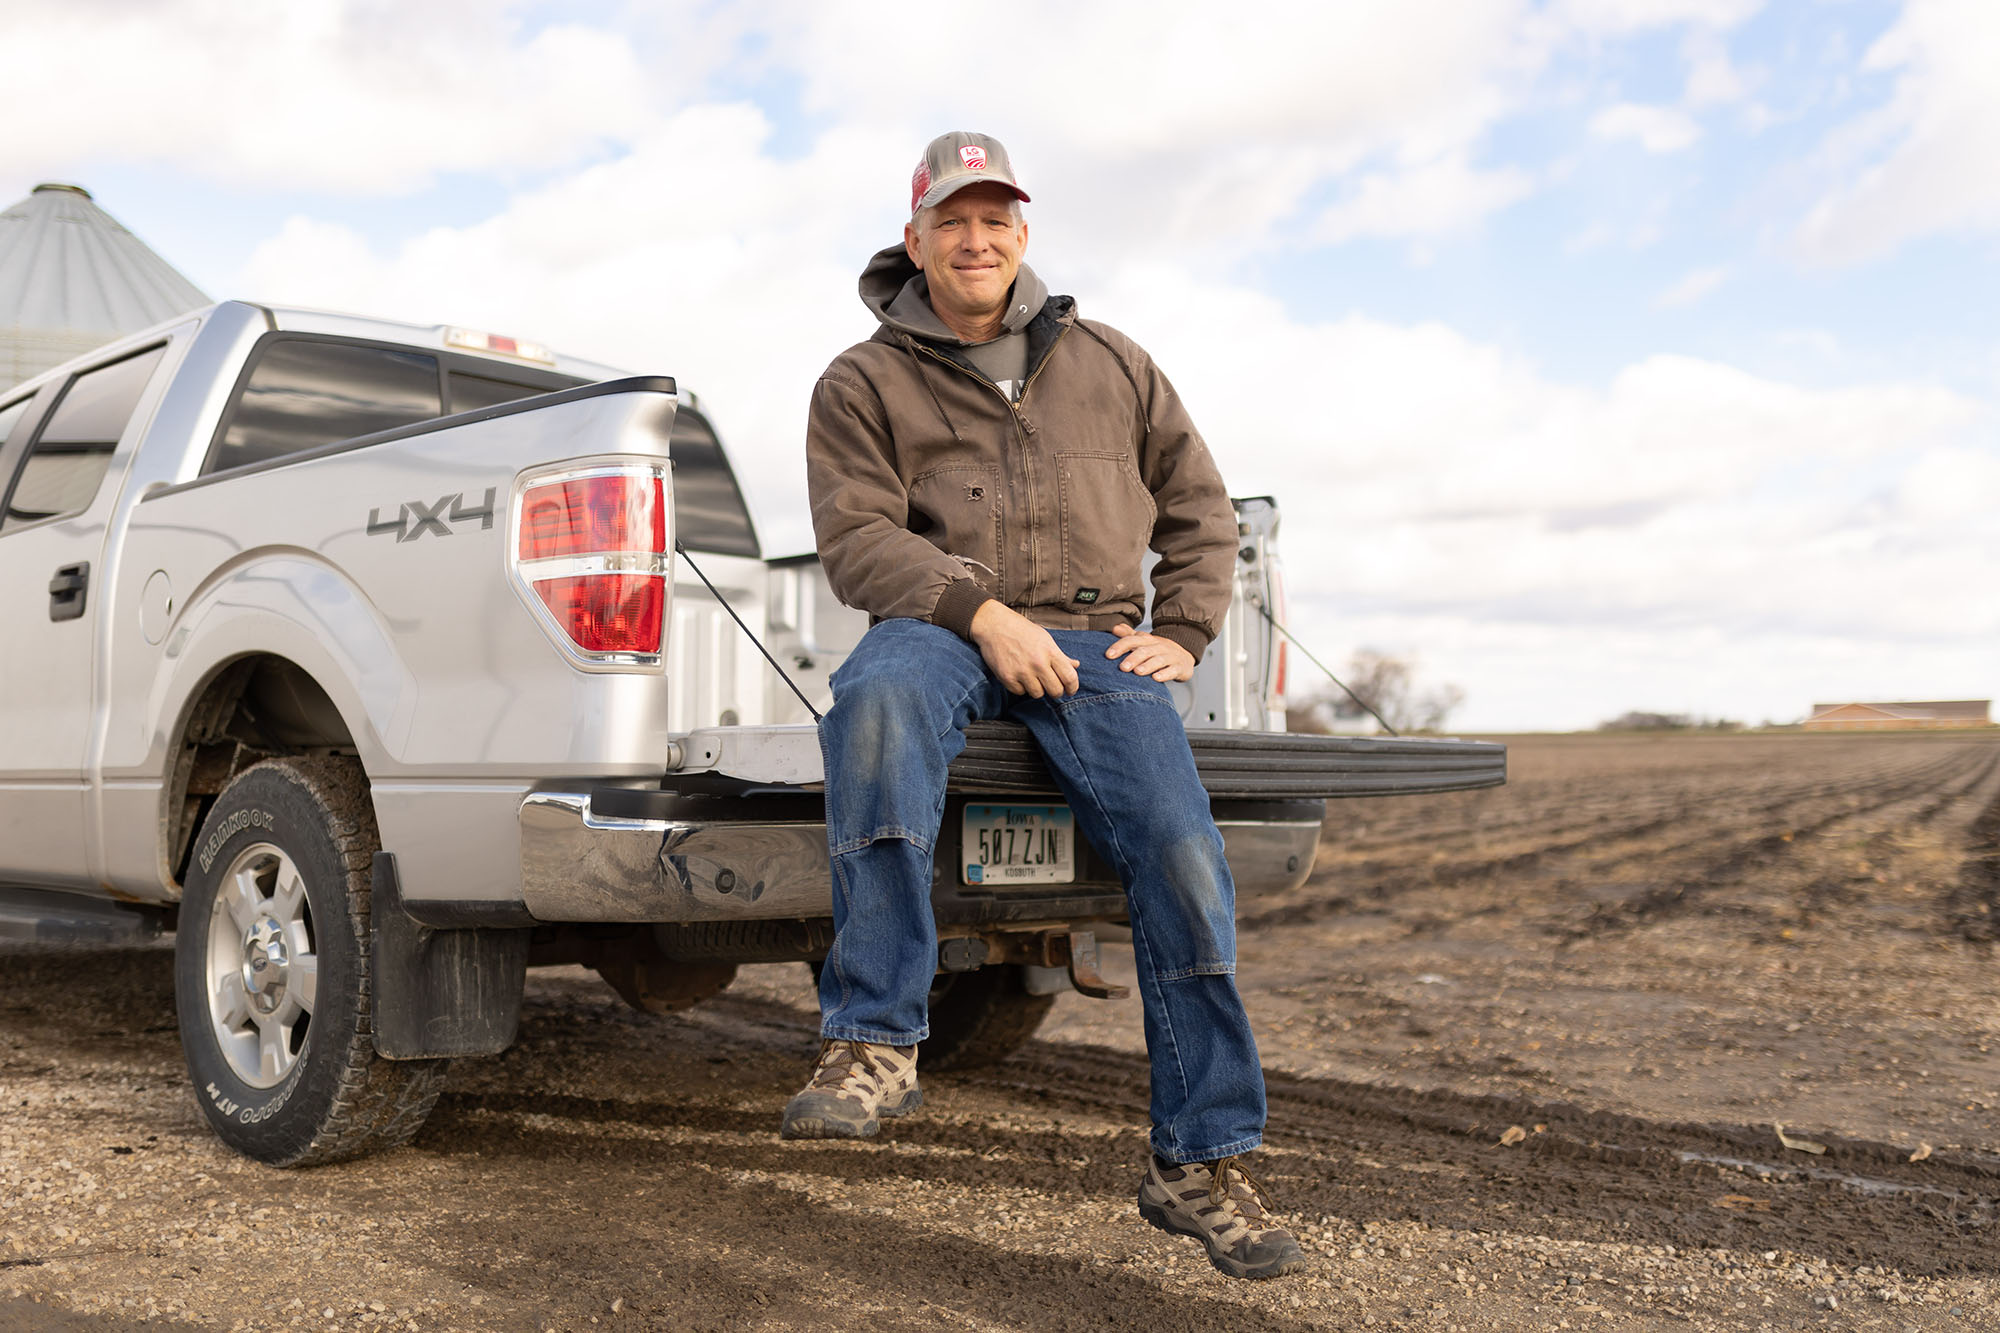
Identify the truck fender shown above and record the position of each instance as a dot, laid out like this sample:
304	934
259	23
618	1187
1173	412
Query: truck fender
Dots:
289	605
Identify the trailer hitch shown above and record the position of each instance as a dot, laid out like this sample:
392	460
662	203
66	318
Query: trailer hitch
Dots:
1081	947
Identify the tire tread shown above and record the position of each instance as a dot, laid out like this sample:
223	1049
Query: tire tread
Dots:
378	1103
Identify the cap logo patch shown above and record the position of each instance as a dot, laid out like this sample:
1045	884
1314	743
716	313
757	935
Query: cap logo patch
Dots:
973	156
920	181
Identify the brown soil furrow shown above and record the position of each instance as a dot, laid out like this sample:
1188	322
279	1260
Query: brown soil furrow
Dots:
1738	824
1581	1173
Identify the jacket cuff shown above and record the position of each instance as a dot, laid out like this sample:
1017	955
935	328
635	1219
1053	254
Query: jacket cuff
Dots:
956	605
1185	633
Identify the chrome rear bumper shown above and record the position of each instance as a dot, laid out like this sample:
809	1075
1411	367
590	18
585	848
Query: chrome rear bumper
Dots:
581	864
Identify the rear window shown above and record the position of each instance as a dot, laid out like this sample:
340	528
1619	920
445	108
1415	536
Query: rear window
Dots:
63	471
709	514
303	393
471	392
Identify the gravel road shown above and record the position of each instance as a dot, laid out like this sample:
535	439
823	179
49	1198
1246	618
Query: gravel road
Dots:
1529	1050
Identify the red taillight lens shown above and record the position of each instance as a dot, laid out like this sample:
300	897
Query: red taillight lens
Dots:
591	515
607	613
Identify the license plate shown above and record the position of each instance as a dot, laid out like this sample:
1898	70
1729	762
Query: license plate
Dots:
1019	844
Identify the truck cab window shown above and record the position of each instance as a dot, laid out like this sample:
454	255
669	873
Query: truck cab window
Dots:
471	392
305	392
709	514
64	469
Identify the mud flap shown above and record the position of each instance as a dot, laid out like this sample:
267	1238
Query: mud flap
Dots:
441	992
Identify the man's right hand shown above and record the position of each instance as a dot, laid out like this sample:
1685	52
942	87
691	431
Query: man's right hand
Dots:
1021	653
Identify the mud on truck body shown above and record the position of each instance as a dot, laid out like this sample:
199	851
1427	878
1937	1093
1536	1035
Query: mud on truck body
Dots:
360	656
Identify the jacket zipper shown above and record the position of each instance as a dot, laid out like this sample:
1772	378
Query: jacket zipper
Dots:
1020	433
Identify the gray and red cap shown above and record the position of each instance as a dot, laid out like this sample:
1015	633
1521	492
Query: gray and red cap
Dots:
956	160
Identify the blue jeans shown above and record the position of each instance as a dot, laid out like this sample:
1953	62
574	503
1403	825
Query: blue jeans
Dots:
1119	753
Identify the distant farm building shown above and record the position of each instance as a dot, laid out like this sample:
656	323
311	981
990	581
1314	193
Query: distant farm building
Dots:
1898	716
73	279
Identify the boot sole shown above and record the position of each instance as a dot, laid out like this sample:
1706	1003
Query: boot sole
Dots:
810	1126
1173	1225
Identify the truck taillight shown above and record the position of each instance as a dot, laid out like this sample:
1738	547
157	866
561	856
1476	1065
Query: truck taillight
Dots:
591	544
584	515
608	613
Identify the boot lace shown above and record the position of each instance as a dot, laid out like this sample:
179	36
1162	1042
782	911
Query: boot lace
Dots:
1219	1191
833	1072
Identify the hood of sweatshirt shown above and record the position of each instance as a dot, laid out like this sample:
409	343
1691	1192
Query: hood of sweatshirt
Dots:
896	292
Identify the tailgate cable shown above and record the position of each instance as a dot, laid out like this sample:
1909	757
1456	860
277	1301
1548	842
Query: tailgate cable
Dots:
1258	602
682	552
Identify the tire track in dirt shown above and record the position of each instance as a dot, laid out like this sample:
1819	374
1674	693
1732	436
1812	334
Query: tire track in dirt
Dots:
1334	1148
728	1187
1582	1174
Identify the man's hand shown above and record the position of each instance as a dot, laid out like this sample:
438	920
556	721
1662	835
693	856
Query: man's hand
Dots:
1150	655
1021	653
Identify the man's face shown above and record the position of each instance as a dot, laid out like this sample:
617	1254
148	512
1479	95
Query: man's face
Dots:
970	248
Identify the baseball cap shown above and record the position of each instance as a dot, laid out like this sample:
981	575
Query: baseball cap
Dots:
956	160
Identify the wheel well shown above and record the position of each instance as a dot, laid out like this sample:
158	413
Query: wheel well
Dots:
252	709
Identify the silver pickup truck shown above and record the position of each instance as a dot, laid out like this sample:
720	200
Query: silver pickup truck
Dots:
380	663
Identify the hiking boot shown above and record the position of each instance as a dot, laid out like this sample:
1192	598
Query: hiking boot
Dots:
1218	1204
854	1084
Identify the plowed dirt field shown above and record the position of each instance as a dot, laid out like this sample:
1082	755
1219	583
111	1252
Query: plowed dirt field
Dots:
1529	1051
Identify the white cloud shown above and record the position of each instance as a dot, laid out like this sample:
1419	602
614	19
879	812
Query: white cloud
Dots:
1555	547
1712	77
1928	160
352	98
1692	286
1433	199
1221	132
1657	129
1951	486
1627	16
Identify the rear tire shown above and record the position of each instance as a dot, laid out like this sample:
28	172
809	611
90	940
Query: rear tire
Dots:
273	972
980	1018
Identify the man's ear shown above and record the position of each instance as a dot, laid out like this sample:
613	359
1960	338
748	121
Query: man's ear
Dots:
910	244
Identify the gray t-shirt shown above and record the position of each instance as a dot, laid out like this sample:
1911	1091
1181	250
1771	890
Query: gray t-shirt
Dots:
1004	360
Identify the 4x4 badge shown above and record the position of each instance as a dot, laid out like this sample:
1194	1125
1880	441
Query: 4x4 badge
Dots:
415	518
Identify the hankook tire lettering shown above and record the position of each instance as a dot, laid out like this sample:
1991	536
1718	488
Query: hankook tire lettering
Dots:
222	832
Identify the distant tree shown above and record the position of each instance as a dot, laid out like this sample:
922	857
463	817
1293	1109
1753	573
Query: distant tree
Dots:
1385	683
1641	721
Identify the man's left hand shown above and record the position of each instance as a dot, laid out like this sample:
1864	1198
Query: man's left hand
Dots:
1150	655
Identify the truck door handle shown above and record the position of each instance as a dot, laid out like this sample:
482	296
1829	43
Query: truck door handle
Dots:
67	590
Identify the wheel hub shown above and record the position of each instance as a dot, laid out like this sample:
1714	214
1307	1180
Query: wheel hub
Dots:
265	963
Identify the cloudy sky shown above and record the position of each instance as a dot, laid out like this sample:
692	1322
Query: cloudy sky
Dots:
1603	354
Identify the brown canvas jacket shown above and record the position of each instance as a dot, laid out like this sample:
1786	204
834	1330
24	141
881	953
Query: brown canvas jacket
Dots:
931	492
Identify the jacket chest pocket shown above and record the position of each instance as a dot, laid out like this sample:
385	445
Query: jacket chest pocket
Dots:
1107	523
957	509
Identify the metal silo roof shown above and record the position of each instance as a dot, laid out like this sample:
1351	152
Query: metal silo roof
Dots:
72	278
